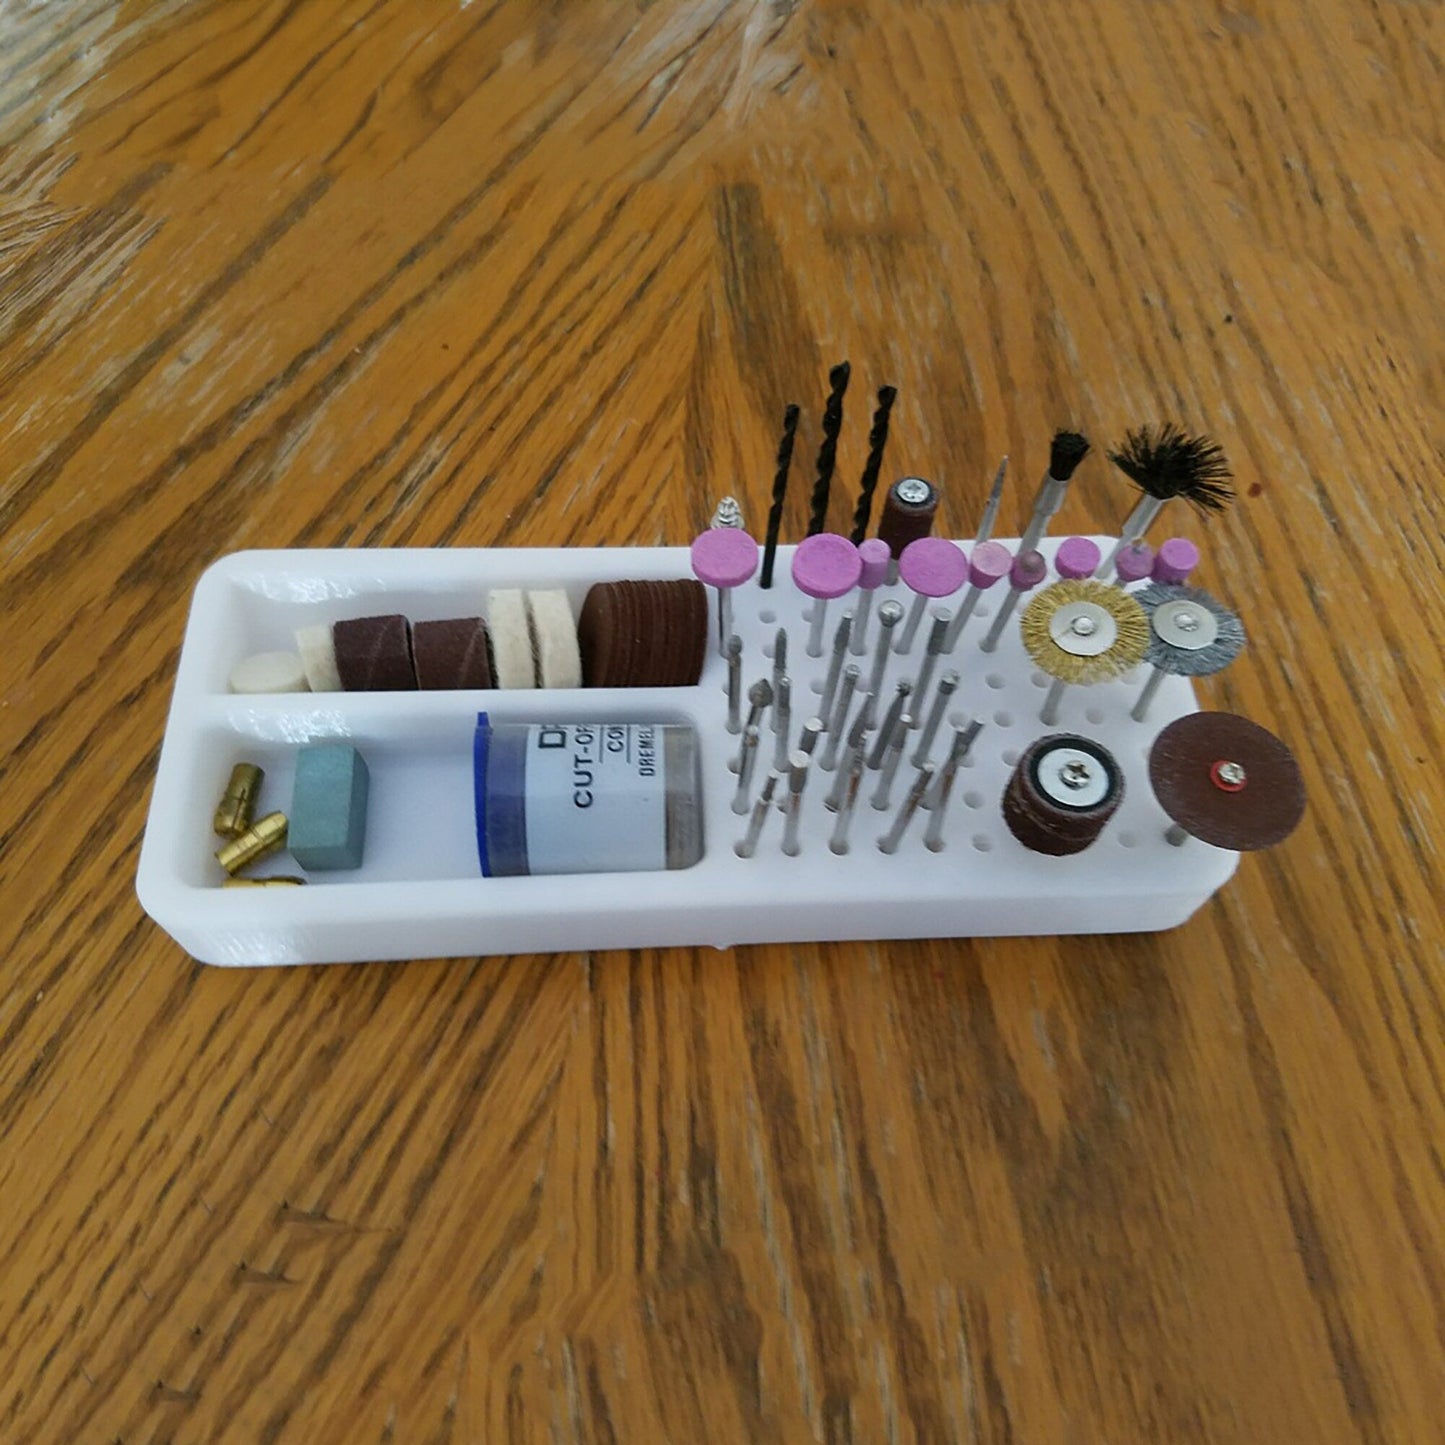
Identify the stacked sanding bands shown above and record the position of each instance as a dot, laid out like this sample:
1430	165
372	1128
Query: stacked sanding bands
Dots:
1044	824
373	654
643	634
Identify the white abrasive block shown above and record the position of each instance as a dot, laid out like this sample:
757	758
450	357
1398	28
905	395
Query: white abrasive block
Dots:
269	672
513	665
318	657
554	632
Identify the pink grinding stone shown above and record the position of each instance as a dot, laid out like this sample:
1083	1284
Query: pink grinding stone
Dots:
933	566
1076	557
1135	563
876	556
991	562
724	557
826	565
1028	570
1175	560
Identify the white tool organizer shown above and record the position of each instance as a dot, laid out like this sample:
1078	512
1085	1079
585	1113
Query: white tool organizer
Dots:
419	892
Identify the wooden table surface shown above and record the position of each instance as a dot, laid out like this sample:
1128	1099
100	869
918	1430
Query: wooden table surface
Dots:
290	275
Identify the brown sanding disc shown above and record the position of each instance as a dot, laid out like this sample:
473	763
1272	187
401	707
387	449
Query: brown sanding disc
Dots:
451	654
1184	768
373	654
643	633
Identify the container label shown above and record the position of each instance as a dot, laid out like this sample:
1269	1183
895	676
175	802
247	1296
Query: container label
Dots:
596	798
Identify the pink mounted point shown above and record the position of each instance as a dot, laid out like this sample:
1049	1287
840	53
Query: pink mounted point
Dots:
1134	563
1175	560
825	565
1028	570
1077	557
724	557
875	557
932	567
990	563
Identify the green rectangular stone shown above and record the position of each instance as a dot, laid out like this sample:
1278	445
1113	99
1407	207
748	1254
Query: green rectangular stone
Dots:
328	807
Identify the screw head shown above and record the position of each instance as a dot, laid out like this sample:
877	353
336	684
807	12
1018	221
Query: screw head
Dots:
1228	776
913	490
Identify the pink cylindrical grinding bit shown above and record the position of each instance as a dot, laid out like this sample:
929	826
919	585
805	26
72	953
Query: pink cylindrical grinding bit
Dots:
1076	558
989	564
1174	561
1028	570
875	556
825	566
933	567
1134	563
724	558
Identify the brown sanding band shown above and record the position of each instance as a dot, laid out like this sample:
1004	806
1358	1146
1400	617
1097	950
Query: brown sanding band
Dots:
1262	813
373	654
451	654
1038	823
905	522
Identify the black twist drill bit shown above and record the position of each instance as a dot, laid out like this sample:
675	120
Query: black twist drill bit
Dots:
828	451
780	490
877	440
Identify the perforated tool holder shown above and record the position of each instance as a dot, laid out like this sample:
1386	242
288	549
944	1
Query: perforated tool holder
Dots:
419	892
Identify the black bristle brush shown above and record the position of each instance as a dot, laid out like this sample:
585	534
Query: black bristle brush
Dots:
1066	451
877	440
828	451
780	490
1165	462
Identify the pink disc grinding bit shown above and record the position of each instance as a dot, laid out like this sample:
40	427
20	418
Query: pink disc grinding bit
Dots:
933	567
724	558
875	557
1174	561
825	566
1077	557
989	564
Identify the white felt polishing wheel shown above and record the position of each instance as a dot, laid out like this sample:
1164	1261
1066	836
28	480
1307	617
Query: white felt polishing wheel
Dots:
559	661
318	657
269	672
512	662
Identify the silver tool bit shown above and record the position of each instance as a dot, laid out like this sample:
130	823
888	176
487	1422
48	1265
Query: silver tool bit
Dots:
780	665
835	663
852	778
838	718
749	843
859	642
890	724
854	756
889	770
936	636
793	811
990	511
746	763
1005	611
808	738
890	614
782	721
963	736
735	683
728	513
947	686
889	842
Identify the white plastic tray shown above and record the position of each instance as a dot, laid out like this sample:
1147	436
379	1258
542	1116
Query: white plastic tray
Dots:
420	893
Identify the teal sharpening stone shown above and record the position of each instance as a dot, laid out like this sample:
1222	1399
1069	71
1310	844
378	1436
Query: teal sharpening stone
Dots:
328	807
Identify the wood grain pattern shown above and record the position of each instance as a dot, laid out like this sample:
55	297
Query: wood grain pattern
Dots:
287	274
